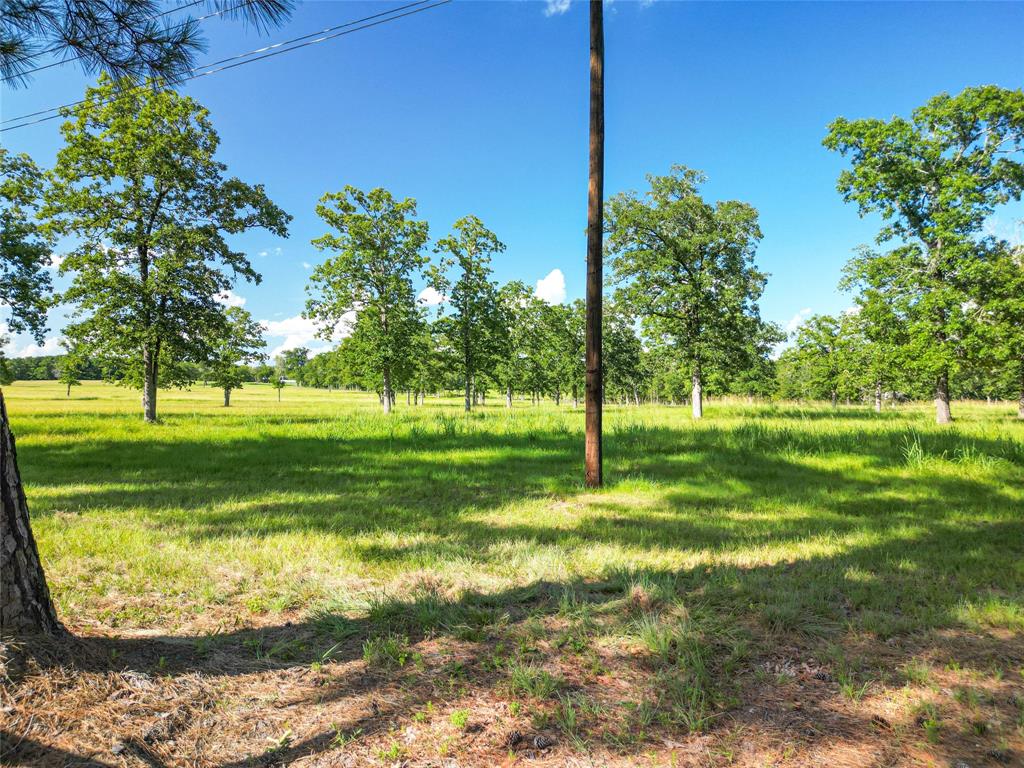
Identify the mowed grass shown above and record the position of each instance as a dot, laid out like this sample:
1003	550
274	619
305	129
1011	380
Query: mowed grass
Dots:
884	523
865	569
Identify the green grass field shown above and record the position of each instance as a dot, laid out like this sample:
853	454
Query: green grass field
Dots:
864	571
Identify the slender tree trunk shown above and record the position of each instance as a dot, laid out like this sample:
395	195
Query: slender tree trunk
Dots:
408	397
279	394
942	414
835	398
69	391
508	396
558	397
697	397
1020	400
575	397
469	393
227	397
636	397
878	397
149	373
25	604
386	396
594	388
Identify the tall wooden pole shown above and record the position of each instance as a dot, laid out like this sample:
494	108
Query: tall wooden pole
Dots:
595	205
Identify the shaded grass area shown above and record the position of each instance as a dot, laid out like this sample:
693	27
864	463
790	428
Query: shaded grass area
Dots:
768	555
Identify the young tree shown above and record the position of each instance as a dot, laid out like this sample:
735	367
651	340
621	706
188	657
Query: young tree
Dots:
820	355
138	184
71	366
519	310
687	268
239	345
473	327
378	249
934	179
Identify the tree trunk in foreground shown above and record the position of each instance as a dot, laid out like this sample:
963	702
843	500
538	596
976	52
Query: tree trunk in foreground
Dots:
942	414
25	604
227	397
594	385
697	396
878	397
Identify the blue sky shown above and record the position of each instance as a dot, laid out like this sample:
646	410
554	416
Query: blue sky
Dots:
481	107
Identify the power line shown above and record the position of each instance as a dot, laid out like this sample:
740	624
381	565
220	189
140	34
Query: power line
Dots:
76	57
266	51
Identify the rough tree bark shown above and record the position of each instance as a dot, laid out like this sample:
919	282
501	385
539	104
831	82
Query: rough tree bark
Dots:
942	414
25	604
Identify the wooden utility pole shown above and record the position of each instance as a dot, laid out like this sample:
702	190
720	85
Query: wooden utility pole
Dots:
595	206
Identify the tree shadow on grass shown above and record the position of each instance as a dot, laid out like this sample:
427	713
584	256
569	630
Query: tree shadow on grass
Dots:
883	554
796	611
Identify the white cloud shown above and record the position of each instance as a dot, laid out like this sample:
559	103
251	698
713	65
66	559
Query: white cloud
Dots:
551	288
852	311
431	297
56	259
306	265
270	252
50	346
556	7
299	331
798	319
230	299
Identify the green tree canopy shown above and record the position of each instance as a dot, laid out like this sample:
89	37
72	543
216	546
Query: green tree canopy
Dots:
686	267
138	185
24	248
473	327
239	344
933	178
378	248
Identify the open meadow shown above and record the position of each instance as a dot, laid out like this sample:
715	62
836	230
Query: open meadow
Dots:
310	582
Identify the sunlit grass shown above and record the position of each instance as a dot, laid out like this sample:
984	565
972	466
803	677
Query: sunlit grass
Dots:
791	518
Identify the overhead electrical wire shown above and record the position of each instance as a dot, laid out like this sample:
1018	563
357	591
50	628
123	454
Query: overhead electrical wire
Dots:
250	57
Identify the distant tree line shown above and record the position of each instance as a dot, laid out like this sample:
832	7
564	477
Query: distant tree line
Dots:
938	308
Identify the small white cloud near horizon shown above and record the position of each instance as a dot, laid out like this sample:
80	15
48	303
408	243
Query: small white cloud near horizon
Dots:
50	346
299	331
230	299
306	265
798	319
556	7
431	297
551	288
